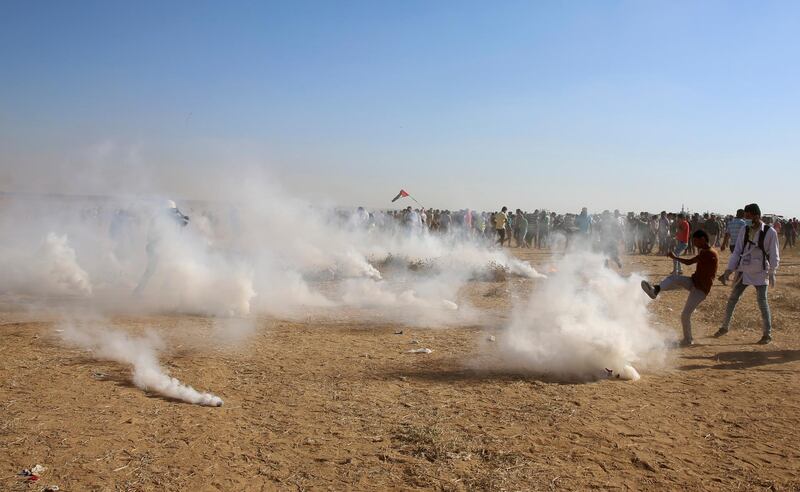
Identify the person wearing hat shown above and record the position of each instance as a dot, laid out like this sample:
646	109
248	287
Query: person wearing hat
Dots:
755	260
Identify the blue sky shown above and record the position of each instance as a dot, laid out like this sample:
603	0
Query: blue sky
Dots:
631	105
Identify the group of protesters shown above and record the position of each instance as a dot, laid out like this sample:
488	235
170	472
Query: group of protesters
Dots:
641	233
753	240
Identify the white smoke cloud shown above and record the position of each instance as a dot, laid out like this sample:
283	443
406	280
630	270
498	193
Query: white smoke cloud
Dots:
261	252
50	269
138	352
585	319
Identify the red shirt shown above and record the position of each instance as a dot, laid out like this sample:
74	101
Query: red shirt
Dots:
706	272
683	231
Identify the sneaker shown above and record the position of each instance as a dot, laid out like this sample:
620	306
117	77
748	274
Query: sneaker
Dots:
721	332
722	278
766	339
648	289
686	343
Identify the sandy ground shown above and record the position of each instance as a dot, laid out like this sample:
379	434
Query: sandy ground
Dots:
339	405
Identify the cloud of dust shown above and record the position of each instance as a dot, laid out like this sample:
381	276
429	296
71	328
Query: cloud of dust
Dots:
586	319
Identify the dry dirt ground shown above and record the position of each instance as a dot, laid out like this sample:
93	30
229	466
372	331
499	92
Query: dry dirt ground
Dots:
339	405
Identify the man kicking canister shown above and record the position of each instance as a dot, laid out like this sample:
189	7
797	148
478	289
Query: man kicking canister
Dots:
698	285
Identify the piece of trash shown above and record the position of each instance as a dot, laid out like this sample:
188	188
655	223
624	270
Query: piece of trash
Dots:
32	473
51	488
403	378
98	375
414	342
491	338
419	351
398	332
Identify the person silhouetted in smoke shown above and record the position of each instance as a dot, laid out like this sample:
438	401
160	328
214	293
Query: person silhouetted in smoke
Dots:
168	217
698	285
543	233
610	236
520	229
755	260
360	219
583	225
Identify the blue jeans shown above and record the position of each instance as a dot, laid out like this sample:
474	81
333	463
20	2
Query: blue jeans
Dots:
763	305
679	249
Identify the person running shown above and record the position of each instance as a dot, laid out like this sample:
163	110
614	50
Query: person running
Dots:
500	219
681	242
160	225
755	260
698	285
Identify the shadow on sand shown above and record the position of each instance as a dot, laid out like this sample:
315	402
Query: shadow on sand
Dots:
743	360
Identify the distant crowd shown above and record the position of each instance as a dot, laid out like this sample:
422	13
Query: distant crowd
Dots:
753	239
641	233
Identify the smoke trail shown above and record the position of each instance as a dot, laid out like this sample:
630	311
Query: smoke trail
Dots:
61	265
585	319
141	353
50	269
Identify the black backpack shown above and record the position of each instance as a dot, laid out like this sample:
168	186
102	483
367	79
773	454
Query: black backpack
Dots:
761	235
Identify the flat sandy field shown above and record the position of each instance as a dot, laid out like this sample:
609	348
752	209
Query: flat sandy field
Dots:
336	403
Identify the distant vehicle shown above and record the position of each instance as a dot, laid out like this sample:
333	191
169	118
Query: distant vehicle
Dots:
771	218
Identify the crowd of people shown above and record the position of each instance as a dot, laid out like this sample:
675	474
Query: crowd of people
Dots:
641	233
753	239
